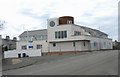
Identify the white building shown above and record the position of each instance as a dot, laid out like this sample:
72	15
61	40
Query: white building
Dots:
63	35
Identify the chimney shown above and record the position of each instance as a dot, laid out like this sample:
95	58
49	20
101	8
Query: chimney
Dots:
14	38
8	37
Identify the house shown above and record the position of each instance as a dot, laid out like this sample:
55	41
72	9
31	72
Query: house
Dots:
63	35
7	44
116	45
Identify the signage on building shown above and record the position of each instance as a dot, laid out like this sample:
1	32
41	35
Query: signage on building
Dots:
30	44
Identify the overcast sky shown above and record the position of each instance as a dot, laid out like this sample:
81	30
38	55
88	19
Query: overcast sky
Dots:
22	15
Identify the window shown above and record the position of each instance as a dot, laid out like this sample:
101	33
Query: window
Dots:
74	44
77	33
40	37
56	35
61	34
35	38
84	43
23	38
89	32
65	33
45	37
39	46
54	44
69	22
24	47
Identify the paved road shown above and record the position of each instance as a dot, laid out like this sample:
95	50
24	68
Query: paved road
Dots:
98	63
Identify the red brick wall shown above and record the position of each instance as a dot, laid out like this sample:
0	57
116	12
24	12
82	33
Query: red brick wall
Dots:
63	20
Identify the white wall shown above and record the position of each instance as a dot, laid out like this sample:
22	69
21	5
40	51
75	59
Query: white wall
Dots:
77	28
68	46
89	45
65	46
70	37
100	43
42	42
51	31
14	53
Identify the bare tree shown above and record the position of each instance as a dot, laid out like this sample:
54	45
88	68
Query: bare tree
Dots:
2	25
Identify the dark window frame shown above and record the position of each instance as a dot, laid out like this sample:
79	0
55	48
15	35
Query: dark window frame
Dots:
84	43
38	46
24	47
61	34
73	44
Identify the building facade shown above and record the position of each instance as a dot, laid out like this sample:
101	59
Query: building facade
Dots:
36	39
116	45
9	44
63	35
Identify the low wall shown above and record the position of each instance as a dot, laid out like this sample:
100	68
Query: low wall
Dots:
22	53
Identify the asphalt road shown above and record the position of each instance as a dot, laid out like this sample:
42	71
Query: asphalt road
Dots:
95	63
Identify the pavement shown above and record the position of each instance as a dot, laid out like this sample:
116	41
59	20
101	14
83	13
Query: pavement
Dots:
16	63
93	63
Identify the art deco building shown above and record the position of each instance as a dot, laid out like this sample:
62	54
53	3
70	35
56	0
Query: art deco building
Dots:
62	34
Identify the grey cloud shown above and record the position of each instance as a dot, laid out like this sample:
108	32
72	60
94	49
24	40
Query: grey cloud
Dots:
45	13
107	24
88	14
28	12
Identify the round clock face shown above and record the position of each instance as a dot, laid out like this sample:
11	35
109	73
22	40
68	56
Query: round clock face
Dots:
52	23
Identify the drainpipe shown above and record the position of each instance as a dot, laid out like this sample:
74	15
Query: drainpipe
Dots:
60	50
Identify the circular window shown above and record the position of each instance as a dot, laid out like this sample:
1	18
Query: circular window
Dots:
52	23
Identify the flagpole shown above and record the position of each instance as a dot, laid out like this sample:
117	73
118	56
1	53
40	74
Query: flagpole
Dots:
27	35
99	39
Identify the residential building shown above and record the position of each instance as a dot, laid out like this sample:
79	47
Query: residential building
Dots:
36	39
116	45
9	44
